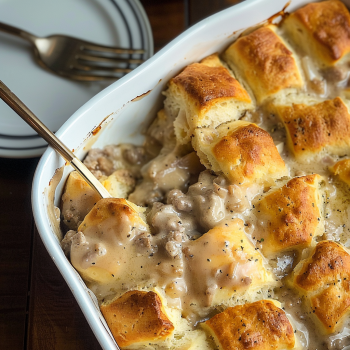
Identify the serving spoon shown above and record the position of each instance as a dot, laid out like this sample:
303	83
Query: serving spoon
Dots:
29	117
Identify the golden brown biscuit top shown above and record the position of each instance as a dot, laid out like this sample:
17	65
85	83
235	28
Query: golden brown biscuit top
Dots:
207	83
250	147
331	305
137	317
328	263
260	325
324	278
342	170
311	128
329	23
293	214
268	64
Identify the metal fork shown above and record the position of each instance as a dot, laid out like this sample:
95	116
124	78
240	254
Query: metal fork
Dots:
78	59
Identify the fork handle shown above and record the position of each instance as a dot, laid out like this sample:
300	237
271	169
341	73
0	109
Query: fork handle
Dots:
29	117
17	31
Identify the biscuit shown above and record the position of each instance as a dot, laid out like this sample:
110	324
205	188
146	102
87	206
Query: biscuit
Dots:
204	94
321	30
314	128
341	169
120	183
223	263
242	151
291	215
78	197
137	318
324	281
97	249
77	200
261	325
264	62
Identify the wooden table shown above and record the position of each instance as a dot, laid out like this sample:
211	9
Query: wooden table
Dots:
37	309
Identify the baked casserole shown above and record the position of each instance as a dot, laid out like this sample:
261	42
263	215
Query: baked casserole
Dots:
229	228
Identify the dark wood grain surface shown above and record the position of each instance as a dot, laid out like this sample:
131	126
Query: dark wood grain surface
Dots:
37	309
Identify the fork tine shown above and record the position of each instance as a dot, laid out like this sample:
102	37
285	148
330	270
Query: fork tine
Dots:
104	48
92	67
98	58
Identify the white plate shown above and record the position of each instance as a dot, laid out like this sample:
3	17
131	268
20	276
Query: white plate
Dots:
52	98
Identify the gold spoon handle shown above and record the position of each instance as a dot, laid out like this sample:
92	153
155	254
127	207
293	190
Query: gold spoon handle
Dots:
29	117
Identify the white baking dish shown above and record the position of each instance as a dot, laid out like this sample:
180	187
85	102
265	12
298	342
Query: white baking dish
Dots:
123	109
